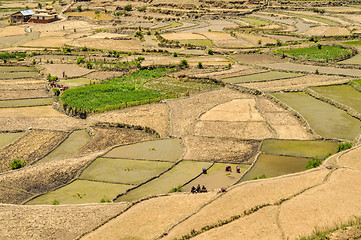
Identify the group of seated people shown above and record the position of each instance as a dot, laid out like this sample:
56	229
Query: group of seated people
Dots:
199	189
229	169
61	87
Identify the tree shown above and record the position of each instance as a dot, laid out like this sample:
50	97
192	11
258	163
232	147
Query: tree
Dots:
183	63
210	52
17	163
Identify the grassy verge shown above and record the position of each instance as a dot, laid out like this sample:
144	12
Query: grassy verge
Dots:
141	87
318	53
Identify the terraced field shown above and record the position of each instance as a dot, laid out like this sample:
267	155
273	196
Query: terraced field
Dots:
7	138
260	77
26	102
326	120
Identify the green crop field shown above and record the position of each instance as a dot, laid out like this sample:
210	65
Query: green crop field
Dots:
69	147
179	175
217	177
77	82
258	77
323	54
164	150
198	42
17	69
353	43
123	170
298	148
273	166
324	119
11	75
7	138
26	102
141	87
344	94
81	191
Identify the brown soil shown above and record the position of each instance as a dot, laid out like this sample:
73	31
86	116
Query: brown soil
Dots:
248	227
12	31
22	84
107	137
30	147
7	95
333	202
54	222
154	116
254	58
134	224
13	196
220	149
108	44
297	83
103	75
185	111
51	42
71	70
41	178
240	130
351	159
327	31
244	197
283	122
182	36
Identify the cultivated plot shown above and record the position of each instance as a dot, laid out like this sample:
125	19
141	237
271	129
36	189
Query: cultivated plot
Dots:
324	119
26	102
259	77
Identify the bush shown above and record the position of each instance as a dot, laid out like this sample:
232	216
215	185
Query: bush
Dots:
105	200
210	52
84	49
56	91
80	60
79	8
319	46
313	163
55	202
263	176
175	54
279	43
142	9
317	72
140	58
200	65
177	189
17	163
89	65
183	63
128	7
344	146
67	50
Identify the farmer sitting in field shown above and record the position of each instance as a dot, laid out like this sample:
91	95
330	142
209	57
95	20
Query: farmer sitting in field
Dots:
228	169
204	189
193	190
199	188
238	169
204	170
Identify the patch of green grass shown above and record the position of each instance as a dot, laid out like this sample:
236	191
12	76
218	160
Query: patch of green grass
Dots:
299	148
314	18
26	102
255	22
13	75
77	82
164	150
69	147
353	43
324	119
178	175
123	170
17	69
198	42
344	94
7	138
258	77
274	165
142	87
313	163
323	54
5	55
81	191
172	25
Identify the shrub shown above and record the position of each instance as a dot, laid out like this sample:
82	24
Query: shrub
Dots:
200	65
259	42
67	50
260	177
175	54
317	72
210	52
344	146
319	46
56	91
17	163
79	8
105	200
80	60
183	63
142	9
177	189
279	43
140	58
313	163
128	7
84	49
148	33
89	65
55	202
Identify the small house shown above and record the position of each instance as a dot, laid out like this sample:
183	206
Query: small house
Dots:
44	16
21	16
